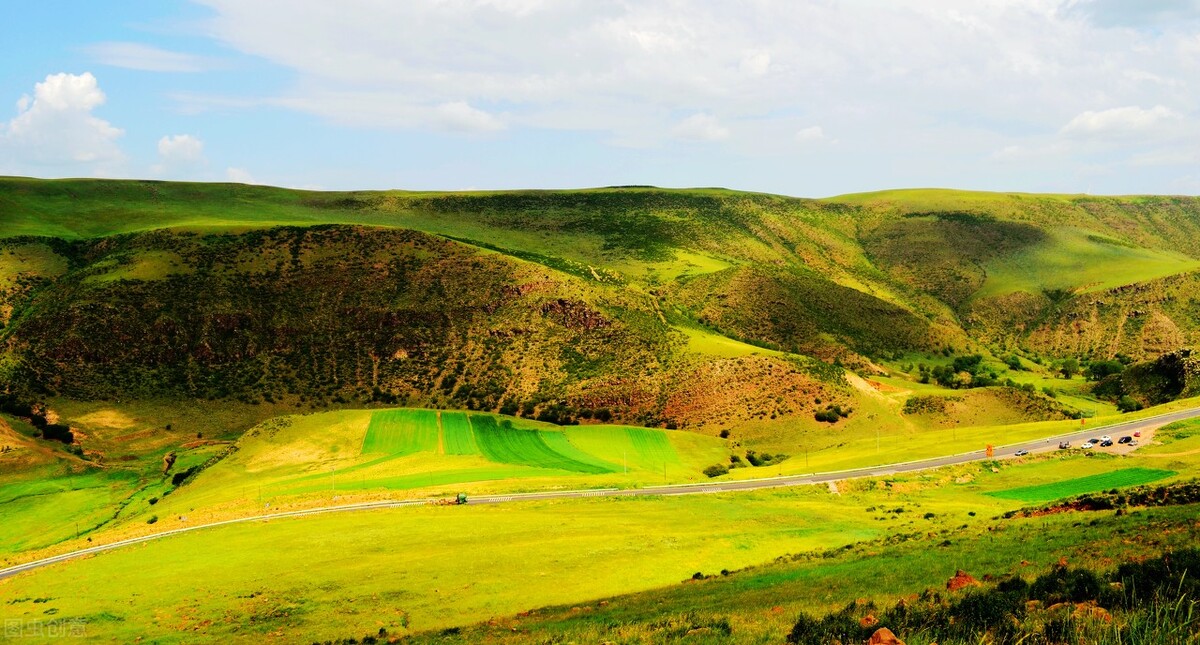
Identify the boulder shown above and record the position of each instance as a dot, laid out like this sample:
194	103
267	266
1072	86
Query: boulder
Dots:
884	636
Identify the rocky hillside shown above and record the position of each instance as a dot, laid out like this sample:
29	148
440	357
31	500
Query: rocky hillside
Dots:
677	308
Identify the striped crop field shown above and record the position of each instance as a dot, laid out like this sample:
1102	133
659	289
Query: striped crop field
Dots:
652	446
401	432
503	443
637	448
457	436
1081	485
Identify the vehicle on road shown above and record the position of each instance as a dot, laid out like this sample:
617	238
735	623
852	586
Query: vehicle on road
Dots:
1063	445
1088	444
1020	453
1125	439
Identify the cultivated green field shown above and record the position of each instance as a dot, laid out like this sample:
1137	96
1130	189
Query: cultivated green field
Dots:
458	436
401	432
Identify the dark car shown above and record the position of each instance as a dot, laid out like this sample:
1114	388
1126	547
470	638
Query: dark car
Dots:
1125	439
1105	444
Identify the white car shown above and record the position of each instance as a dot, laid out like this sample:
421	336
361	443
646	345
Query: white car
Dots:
1105	438
1088	445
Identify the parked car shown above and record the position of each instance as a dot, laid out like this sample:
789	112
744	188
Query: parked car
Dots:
1106	443
1021	453
1133	443
1088	444
1093	441
1105	438
1063	445
1125	439
1138	433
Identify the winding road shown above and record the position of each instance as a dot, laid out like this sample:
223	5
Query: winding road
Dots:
1001	452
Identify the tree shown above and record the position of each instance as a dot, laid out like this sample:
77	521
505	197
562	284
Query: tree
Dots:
1128	404
1069	368
1100	369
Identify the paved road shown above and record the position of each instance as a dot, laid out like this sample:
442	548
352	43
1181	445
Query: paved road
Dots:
1040	445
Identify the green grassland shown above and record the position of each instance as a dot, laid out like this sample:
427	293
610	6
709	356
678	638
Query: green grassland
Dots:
339	575
1067	488
1074	259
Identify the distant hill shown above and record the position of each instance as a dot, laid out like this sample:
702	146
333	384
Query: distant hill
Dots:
688	308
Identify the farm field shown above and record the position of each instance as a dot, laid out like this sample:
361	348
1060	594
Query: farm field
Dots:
458	437
401	432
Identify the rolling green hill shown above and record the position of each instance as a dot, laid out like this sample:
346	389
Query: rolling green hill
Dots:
219	351
568	305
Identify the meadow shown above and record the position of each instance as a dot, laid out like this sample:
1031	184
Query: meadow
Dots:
431	568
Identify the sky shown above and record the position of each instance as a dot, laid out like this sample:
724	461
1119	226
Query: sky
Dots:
797	97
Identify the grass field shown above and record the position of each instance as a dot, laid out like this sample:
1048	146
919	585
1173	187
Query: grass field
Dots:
1122	478
401	432
503	443
345	575
457	435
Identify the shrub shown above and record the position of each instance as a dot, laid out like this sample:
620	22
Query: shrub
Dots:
152	520
716	470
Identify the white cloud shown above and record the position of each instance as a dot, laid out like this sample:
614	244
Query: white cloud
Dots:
145	58
179	155
700	127
756	63
56	130
810	134
1121	122
890	78
460	116
239	176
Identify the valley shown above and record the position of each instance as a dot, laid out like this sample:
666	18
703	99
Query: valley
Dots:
177	355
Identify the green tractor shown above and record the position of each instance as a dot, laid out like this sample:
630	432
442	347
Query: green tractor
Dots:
461	499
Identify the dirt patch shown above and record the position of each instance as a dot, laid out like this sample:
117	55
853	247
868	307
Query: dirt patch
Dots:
884	387
205	442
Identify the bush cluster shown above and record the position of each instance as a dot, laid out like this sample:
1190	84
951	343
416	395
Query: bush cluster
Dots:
1001	613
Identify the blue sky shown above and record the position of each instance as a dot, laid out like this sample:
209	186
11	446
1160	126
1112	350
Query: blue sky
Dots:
794	97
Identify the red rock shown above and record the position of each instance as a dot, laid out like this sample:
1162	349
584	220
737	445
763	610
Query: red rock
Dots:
884	637
961	580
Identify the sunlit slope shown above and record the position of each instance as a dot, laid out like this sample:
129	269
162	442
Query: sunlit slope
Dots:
1077	260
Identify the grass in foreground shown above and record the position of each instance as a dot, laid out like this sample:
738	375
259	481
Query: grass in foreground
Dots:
1122	478
431	568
